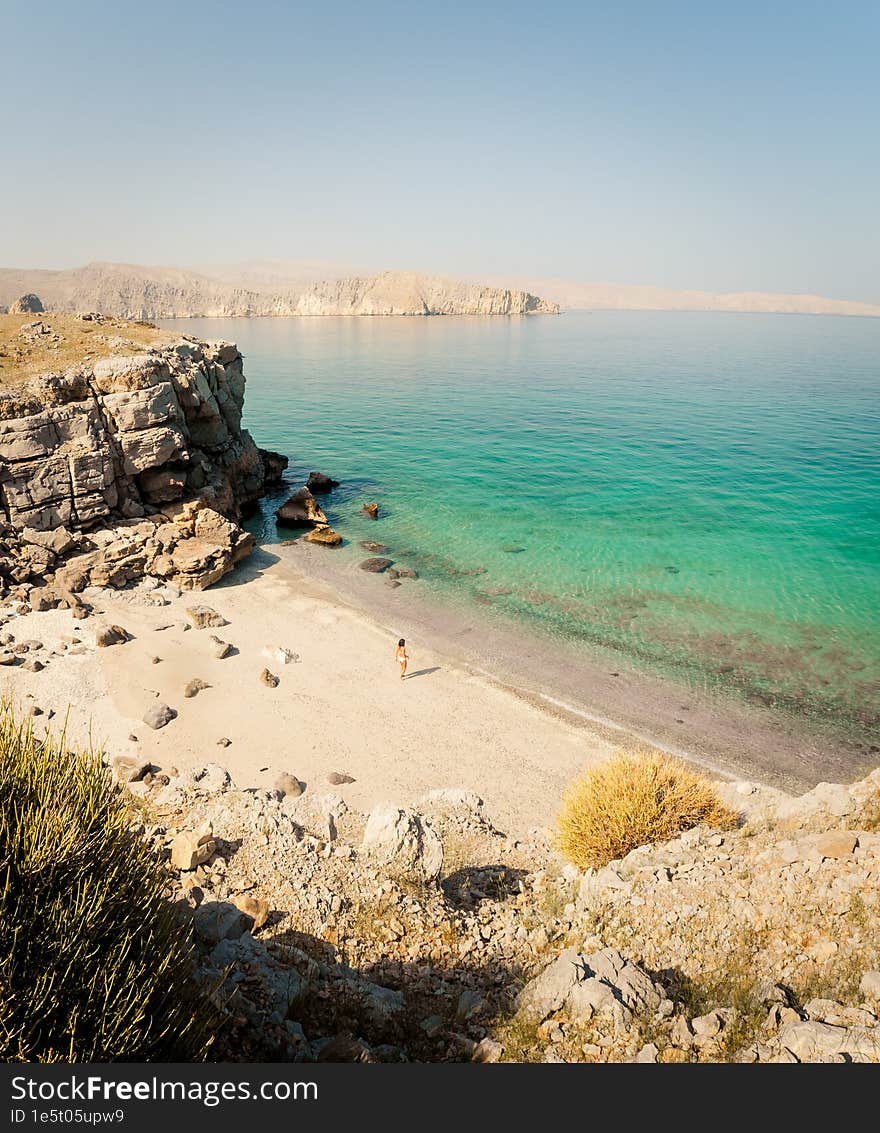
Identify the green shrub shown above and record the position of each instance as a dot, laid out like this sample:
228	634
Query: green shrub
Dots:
94	966
630	800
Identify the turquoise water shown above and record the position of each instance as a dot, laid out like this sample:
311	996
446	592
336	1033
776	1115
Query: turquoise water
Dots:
696	491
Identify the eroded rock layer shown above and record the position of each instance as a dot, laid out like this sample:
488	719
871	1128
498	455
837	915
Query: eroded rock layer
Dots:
137	460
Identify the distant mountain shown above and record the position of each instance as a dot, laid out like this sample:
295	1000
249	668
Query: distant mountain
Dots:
133	292
309	287
575	296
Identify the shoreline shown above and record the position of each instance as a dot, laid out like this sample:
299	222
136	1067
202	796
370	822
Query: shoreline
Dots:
469	721
599	689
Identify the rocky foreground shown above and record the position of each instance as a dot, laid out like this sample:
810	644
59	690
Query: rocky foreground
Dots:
428	934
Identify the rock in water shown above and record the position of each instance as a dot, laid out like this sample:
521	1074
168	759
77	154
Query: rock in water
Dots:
324	537
319	484
404	842
158	715
289	785
376	565
371	510
203	616
301	510
374	548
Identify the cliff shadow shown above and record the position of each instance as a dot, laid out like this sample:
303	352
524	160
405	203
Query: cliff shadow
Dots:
248	569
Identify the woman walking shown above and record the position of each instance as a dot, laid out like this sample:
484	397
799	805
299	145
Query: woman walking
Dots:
401	657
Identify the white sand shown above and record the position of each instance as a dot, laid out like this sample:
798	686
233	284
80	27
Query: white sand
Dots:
341	707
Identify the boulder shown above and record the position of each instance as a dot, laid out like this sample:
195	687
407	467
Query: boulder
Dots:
256	908
319	484
301	510
218	920
376	565
158	715
269	679
374	548
190	850
29	304
111	635
222	649
289	785
324	537
128	768
814	1042
194	687
203	617
339	778
59	540
404	842
603	982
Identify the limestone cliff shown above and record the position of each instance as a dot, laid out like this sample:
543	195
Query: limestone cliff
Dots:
133	463
131	291
404	293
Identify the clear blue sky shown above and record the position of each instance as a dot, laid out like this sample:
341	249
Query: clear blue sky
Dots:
721	145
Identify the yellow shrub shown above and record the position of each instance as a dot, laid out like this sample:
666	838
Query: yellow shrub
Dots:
630	800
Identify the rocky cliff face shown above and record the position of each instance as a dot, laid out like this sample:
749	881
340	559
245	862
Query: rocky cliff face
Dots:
132	464
133	292
400	293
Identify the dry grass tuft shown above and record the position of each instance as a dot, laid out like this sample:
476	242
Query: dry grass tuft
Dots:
633	799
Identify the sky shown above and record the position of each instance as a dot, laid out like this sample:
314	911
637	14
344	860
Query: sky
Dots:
716	144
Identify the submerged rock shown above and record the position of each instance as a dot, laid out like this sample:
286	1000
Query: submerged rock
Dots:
376	565
319	484
371	510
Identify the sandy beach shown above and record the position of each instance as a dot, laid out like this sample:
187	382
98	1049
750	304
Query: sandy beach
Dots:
339	707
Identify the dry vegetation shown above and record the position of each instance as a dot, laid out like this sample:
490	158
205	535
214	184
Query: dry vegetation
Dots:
94	966
631	800
27	350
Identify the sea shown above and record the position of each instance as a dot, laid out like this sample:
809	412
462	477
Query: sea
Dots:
694	497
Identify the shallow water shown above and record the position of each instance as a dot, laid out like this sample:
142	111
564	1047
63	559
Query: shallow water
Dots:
696	492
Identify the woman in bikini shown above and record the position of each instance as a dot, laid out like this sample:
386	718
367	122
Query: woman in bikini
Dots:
401	657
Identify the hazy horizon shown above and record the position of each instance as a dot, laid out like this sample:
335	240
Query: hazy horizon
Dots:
684	147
